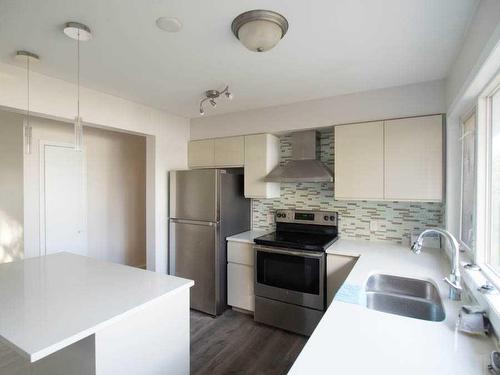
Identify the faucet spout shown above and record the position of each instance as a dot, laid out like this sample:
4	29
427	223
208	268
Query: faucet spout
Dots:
454	279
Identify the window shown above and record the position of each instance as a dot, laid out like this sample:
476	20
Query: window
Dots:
493	124
488	182
468	189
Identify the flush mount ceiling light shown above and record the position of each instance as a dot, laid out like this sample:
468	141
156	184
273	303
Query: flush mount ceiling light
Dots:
169	24
28	58
81	33
211	95
259	30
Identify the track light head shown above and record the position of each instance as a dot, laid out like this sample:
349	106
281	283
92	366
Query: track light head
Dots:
211	95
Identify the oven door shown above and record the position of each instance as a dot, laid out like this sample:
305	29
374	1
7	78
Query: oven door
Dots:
291	276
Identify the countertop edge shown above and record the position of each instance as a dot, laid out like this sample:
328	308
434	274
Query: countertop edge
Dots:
42	353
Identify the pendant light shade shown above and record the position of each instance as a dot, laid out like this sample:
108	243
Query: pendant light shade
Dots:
78	129
77	31
81	33
259	30
27	58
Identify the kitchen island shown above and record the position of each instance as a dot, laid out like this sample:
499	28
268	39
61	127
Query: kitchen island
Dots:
69	314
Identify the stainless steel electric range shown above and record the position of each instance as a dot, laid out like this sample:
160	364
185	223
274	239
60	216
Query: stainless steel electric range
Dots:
290	270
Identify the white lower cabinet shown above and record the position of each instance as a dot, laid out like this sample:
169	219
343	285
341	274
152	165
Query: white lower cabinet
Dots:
240	275
240	291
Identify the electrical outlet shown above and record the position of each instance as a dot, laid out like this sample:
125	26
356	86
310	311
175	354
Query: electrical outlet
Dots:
377	225
270	218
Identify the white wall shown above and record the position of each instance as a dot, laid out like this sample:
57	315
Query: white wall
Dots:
481	38
116	191
166	143
403	101
11	187
476	64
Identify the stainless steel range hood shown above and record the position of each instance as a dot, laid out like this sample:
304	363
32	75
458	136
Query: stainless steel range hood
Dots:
304	166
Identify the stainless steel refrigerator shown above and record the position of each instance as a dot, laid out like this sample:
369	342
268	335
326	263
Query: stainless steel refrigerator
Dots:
206	206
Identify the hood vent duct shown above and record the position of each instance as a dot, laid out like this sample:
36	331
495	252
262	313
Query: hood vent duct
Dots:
305	165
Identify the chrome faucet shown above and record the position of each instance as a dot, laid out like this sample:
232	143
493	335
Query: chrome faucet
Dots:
454	278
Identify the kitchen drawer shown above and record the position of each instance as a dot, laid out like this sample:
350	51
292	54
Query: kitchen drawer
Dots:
240	252
240	286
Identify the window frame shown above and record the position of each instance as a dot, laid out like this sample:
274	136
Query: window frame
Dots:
463	119
483	181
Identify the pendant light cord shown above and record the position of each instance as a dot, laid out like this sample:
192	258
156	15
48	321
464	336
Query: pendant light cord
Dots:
28	96
78	73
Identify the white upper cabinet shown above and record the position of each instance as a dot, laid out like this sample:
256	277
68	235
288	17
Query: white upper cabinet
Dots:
359	161
414	159
201	153
218	152
394	160
259	154
229	152
262	153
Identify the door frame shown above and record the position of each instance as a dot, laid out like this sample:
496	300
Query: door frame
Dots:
42	213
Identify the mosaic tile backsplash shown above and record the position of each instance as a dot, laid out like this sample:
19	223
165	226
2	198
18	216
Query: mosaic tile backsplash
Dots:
396	220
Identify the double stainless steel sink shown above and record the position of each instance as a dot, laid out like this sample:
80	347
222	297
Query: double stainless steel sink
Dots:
404	296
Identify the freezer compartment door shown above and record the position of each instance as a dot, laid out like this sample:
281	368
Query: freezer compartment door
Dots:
194	256
193	195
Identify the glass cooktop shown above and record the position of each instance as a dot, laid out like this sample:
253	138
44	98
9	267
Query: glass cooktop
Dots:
297	240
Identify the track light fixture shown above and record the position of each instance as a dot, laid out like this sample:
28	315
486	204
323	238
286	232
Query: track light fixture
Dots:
211	95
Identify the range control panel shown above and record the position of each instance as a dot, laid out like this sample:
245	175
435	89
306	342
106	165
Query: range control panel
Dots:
307	217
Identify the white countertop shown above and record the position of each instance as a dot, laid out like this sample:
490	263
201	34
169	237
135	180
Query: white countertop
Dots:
352	339
48	303
247	237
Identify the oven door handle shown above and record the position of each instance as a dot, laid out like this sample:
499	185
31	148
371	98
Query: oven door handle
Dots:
309	254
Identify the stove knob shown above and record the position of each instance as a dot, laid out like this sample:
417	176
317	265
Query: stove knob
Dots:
332	218
325	217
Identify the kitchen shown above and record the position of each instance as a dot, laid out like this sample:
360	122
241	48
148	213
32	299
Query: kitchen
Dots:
239	190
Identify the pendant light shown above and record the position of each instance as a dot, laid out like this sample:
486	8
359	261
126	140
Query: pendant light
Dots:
27	58
81	33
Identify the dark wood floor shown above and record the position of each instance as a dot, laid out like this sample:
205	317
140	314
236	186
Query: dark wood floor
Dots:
234	344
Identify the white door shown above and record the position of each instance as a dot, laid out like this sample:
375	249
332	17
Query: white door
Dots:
63	200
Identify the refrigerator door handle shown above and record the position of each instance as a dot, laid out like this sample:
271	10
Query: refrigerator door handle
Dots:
194	222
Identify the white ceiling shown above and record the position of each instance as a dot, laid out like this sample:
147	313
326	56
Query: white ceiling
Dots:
332	47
